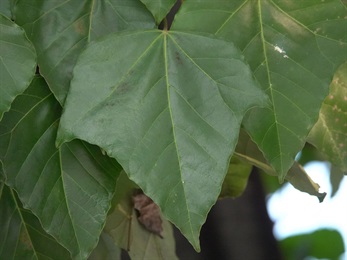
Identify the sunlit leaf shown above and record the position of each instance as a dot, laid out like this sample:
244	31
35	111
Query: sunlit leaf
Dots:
320	244
160	8
236	179
61	29
293	48
248	151
17	62
70	188
167	110
22	236
329	134
123	225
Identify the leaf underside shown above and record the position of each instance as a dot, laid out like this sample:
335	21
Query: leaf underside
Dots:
293	48
167	110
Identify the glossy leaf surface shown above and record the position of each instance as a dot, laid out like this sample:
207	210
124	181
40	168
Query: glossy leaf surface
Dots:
293	48
70	188
248	151
22	236
123	225
329	134
61	30
167	110
17	62
159	8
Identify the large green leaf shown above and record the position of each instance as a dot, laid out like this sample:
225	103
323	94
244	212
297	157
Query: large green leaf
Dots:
248	151
168	110
60	30
160	8
22	236
106	249
122	224
329	134
70	188
17	62
293	48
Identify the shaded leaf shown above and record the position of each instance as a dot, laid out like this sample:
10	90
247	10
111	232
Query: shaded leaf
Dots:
236	180
320	244
61	30
106	249
180	108
248	151
122	224
293	48
17	62
160	8
70	188
329	134
22	236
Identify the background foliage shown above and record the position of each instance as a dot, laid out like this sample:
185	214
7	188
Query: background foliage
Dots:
245	79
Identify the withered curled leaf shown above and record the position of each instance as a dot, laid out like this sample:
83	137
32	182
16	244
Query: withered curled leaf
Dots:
149	214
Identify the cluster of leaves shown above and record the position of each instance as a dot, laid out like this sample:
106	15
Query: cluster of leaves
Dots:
241	78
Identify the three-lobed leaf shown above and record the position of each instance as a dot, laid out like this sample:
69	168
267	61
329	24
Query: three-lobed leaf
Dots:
293	48
17	62
61	30
169	109
69	188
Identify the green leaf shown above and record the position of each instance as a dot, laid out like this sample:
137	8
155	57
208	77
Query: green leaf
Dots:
123	226
236	180
320	244
61	30
248	151
160	8
6	7
70	188
106	249
329	134
336	177
293	48
167	110
22	236
17	62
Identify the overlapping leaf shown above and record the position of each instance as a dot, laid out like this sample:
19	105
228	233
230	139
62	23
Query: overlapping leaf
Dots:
160	8
168	110
70	188
329	134
123	225
22	236
293	48
6	8
248	151
60	30
17	62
